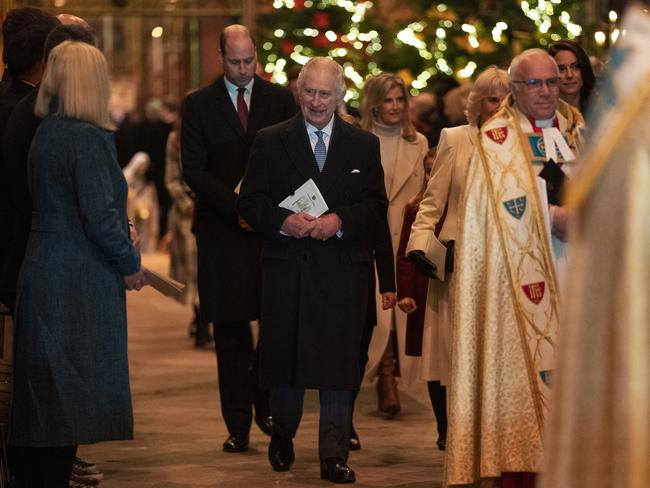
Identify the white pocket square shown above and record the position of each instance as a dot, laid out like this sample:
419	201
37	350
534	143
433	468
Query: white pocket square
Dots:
355	171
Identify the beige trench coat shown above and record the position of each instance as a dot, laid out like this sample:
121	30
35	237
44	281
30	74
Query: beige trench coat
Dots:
408	178
445	187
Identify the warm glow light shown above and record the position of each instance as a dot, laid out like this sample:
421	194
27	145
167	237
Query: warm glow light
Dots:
156	32
468	70
600	37
613	16
574	29
407	36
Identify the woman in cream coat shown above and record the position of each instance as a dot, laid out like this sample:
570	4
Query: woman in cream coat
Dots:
440	203
385	113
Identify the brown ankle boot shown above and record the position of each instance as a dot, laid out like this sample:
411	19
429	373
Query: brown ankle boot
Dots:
387	395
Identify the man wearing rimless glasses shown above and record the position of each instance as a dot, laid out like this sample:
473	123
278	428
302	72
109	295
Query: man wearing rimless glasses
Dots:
506	290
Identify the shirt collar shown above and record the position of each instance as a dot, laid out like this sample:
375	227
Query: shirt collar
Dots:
327	130
232	88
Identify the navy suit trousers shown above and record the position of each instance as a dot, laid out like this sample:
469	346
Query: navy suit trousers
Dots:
335	419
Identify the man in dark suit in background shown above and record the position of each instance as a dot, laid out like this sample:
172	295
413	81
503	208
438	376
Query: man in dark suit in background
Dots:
24	31
219	124
316	271
18	136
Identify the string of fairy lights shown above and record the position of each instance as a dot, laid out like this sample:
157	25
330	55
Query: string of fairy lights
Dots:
429	37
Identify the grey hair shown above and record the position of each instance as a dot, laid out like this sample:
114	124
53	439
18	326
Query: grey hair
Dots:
322	62
517	61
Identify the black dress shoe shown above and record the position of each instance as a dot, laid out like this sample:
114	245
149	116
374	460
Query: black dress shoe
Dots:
337	471
235	444
355	443
442	443
265	423
281	460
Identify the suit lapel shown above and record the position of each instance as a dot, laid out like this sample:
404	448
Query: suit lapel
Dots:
404	167
336	160
258	105
298	148
226	107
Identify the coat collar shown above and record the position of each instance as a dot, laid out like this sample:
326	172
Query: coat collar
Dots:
258	105
301	154
409	160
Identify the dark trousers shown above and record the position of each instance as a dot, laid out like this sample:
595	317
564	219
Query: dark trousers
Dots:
366	337
41	467
238	377
438	397
334	425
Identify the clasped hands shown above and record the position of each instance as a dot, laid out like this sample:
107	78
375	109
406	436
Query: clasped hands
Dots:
302	224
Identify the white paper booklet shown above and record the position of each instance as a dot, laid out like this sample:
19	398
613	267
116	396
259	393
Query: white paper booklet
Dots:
163	284
437	254
306	199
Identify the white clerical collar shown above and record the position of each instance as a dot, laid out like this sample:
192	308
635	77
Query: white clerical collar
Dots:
327	130
545	123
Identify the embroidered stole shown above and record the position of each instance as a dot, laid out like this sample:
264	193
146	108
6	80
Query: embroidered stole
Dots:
506	159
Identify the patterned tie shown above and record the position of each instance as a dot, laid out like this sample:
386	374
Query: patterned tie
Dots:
320	151
242	108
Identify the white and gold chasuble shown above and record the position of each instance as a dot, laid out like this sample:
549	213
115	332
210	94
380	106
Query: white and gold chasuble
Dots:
505	311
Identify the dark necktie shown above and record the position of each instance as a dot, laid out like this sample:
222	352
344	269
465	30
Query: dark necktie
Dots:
242	108
320	151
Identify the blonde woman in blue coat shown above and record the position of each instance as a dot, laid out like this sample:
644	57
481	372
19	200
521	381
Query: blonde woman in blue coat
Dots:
71	379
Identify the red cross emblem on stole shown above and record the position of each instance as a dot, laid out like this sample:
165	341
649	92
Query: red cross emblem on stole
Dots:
498	134
534	291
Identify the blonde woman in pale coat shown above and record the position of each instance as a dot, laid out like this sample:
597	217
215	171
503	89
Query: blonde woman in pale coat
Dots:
385	112
444	190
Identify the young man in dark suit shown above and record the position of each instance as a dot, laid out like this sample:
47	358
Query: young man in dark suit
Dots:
316	270
219	124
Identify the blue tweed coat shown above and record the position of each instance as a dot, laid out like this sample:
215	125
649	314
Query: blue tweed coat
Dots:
71	378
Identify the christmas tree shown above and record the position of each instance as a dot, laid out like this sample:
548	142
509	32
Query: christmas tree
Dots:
462	39
296	30
457	39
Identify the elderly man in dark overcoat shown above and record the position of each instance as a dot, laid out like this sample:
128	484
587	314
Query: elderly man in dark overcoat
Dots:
316	271
219	124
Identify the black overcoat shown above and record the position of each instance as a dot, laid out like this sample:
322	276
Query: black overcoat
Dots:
214	153
315	293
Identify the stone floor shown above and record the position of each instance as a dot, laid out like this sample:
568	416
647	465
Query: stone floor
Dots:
179	431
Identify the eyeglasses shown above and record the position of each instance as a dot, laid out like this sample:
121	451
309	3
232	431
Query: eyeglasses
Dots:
535	84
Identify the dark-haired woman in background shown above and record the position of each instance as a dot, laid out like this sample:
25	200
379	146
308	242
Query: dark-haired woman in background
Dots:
577	78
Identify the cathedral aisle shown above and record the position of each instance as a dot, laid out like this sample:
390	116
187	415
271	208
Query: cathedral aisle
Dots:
179	431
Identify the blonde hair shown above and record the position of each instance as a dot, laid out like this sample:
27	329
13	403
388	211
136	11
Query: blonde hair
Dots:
490	82
75	84
374	92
